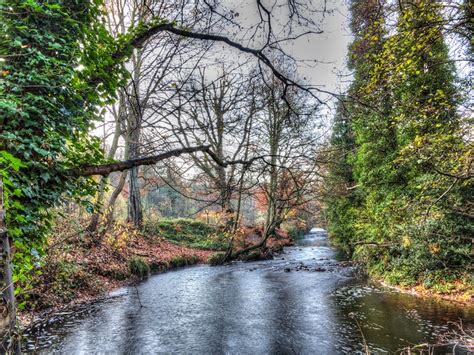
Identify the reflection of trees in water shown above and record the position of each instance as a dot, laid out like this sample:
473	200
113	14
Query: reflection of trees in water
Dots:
392	320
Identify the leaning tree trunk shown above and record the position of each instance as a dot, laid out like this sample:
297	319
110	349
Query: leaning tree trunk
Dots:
109	218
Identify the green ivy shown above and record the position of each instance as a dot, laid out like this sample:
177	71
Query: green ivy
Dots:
57	70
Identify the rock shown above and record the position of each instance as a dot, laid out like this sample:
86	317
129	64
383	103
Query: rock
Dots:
345	263
320	269
287	269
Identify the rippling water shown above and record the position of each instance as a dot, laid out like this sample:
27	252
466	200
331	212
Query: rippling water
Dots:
303	302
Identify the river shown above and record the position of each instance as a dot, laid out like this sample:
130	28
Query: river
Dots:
305	301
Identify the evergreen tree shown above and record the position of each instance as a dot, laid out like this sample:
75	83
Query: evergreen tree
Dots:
408	214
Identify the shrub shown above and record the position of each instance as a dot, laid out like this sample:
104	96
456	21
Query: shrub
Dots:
216	259
138	267
295	232
182	260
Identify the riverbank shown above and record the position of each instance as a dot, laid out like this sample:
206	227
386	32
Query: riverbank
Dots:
441	284
463	298
89	267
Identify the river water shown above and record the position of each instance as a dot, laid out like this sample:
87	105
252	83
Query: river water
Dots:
305	301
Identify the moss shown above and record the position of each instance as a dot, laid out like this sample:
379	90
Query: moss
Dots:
138	267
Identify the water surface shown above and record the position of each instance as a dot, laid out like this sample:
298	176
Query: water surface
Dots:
305	301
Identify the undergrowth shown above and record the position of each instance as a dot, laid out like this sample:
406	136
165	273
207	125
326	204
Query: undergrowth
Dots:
187	232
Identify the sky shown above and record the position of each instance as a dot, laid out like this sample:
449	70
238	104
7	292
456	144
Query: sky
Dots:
321	56
330	48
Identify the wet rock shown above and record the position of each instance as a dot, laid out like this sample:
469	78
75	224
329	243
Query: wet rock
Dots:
287	269
320	269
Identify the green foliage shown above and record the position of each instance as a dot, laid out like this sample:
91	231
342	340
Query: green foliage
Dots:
187	232
399	185
183	260
216	259
58	67
294	232
46	107
138	267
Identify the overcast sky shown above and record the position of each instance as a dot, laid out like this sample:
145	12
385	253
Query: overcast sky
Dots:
329	48
322	56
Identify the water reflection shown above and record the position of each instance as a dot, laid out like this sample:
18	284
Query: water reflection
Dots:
280	306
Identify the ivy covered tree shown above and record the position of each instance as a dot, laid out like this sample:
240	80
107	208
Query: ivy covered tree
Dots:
410	217
340	197
357	132
52	87
433	244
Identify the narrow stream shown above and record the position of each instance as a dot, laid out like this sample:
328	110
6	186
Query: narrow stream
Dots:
305	301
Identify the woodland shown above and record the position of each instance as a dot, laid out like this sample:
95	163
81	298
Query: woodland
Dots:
139	136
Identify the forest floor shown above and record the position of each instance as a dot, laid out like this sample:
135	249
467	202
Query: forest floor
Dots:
87	268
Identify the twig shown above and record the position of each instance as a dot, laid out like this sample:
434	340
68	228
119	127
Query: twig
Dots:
366	347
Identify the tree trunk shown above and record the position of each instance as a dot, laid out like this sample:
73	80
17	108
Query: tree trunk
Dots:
135	213
7	304
111	206
118	118
94	222
8	300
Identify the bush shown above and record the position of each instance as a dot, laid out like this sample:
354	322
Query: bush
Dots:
138	267
216	259
182	260
295	232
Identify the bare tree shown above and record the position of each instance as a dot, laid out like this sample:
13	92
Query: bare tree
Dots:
218	113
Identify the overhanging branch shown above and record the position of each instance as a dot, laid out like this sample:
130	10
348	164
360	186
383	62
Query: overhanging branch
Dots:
106	169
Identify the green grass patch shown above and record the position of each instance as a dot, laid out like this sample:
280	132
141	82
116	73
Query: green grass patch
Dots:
187	232
182	260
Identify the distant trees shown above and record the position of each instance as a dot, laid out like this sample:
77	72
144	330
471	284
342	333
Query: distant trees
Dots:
287	135
220	113
403	166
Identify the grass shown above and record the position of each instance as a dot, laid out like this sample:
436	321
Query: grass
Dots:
181	260
138	267
187	232
216	259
